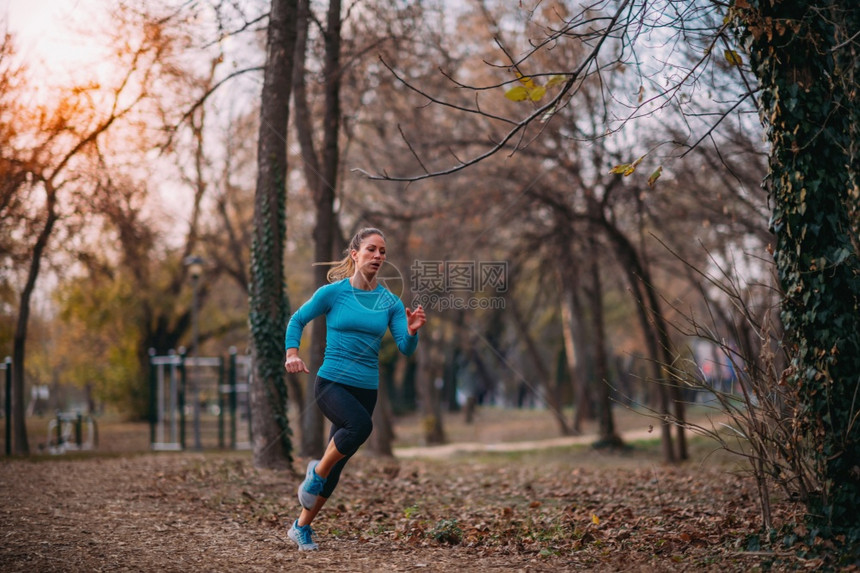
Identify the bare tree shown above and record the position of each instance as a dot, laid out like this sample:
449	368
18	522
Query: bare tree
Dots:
805	59
321	173
333	48
54	147
269	304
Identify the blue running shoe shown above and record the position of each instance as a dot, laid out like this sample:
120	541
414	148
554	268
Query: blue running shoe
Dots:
303	536
310	489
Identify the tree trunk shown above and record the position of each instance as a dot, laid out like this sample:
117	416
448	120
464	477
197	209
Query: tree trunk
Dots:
321	176
607	437
409	394
269	306
649	319
453	359
487	380
541	372
574	344
431	407
808	73
383	428
21	445
674	398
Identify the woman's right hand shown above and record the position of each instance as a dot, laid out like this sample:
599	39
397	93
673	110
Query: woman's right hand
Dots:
294	364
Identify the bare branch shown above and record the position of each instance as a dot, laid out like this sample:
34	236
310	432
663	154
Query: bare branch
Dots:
202	100
409	145
518	127
715	125
442	102
245	27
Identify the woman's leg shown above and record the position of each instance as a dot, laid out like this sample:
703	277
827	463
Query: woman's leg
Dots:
308	515
331	456
350	411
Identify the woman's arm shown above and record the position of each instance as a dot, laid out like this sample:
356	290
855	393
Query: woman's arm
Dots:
317	305
404	325
415	319
294	364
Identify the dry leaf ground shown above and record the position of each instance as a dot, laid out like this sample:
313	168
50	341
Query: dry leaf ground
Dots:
560	509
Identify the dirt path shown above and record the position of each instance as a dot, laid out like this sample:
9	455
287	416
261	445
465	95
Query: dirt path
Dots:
215	512
448	450
140	514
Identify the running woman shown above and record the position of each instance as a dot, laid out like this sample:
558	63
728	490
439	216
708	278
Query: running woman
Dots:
359	311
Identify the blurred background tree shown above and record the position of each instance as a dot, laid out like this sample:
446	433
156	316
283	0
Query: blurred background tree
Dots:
590	212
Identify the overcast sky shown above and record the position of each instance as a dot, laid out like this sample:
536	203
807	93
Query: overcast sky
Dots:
46	32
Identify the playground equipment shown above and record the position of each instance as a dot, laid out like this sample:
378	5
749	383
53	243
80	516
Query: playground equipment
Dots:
66	432
176	377
239	399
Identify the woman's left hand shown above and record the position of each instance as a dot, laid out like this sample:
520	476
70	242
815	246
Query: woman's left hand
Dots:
415	319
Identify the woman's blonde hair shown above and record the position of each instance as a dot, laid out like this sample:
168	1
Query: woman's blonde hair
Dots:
346	266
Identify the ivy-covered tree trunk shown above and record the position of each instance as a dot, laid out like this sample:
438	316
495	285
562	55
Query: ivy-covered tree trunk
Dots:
805	56
269	306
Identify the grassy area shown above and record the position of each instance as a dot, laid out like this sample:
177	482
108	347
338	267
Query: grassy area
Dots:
497	425
490	426
114	434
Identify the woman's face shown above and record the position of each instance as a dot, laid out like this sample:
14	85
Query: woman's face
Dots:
370	255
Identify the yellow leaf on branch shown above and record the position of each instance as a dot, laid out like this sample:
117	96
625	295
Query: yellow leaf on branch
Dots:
626	169
733	58
556	80
518	93
526	81
655	176
537	93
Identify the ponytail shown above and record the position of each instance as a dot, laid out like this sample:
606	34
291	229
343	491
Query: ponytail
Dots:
342	269
345	267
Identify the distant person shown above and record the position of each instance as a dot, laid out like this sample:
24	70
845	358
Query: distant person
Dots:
358	312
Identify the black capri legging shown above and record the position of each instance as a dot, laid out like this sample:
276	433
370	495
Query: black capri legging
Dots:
350	410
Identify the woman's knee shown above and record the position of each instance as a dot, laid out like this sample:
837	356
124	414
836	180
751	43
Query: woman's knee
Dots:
350	437
364	429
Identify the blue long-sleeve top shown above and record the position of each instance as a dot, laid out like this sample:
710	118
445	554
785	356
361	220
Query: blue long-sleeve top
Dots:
356	321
